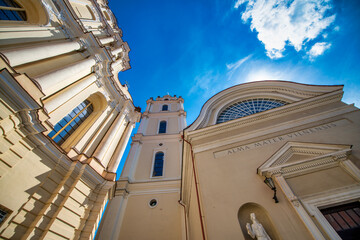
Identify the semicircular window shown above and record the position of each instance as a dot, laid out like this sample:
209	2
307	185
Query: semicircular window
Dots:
248	107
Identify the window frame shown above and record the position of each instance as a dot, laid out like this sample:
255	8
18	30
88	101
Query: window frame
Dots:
157	150
8	213
74	122
158	131
247	107
330	198
167	107
20	8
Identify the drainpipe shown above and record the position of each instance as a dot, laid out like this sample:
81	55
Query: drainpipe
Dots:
196	186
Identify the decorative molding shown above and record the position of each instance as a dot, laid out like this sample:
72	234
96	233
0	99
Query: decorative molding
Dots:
332	155
312	203
276	89
298	207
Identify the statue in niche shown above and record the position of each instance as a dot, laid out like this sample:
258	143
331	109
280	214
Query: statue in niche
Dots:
256	229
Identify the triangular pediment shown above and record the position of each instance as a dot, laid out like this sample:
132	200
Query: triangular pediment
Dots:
302	155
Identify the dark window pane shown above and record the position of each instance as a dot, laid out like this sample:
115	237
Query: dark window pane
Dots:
70	122
248	107
158	164
162	127
344	219
333	223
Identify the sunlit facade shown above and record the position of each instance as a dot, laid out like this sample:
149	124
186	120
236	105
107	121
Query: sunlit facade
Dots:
65	117
302	139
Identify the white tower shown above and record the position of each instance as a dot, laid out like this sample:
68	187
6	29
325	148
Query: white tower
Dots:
146	202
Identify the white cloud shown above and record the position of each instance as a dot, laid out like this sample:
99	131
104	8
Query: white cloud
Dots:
283	22
318	49
232	67
237	64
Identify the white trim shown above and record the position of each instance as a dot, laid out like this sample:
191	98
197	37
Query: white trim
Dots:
156	150
328	198
285	90
157	203
158	127
298	207
161	109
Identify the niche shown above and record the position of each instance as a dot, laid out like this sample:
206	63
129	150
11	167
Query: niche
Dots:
261	215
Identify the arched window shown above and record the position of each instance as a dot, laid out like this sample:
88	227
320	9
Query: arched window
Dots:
247	107
158	164
162	127
165	107
11	11
66	126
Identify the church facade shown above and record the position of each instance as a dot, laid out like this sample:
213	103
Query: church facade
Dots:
264	160
65	118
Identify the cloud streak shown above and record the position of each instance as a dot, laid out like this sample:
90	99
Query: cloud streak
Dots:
232	67
285	22
318	49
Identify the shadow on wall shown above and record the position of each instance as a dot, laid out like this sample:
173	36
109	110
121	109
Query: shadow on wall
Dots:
261	215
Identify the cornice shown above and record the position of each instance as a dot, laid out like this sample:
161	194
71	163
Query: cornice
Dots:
149	187
164	113
327	155
282	90
267	115
159	137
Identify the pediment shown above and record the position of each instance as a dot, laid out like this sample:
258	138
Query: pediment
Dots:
299	156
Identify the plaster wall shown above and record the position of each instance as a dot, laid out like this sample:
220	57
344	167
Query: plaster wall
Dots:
172	161
227	182
161	222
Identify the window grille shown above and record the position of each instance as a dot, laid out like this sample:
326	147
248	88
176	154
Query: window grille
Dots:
66	126
345	219
165	107
248	107
11	11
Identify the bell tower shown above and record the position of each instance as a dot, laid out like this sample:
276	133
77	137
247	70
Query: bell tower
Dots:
145	205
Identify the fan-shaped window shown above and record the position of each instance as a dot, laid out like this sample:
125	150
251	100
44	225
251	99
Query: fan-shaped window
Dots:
11	11
248	107
162	127
158	164
165	107
66	126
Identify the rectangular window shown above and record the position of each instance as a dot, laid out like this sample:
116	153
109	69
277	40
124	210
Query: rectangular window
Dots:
4	214
345	219
66	126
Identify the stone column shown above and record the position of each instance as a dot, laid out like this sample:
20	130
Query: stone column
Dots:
101	131
116	158
106	40
108	138
20	56
115	52
88	136
117	66
58	99
58	79
120	131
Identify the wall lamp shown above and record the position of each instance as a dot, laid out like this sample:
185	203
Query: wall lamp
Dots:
270	183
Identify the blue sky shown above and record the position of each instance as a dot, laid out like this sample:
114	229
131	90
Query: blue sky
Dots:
197	48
